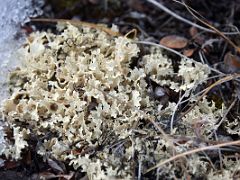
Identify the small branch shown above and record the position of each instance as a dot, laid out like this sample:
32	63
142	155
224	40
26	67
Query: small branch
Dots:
175	52
220	81
225	115
77	23
192	152
165	9
205	22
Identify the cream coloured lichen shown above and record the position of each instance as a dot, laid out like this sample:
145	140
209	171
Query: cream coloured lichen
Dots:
161	71
77	93
66	79
204	118
19	143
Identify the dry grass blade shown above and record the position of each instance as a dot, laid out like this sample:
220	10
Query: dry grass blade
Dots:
192	11
78	23
192	152
133	33
220	81
225	115
162	7
166	137
175	52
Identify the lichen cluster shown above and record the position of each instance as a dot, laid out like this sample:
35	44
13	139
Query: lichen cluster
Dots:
79	95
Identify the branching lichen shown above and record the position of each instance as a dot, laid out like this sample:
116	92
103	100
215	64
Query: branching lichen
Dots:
77	93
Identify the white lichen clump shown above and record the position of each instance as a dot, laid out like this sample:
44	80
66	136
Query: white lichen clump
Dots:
78	95
188	76
13	14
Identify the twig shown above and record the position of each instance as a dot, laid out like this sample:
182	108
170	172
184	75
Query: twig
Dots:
224	116
162	7
192	152
180	101
175	52
219	151
78	23
133	31
135	26
175	111
139	168
220	81
197	94
205	22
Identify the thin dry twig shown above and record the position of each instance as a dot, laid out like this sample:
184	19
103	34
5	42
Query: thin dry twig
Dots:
165	9
192	152
175	52
205	22
200	92
225	79
133	31
225	115
175	111
219	151
181	101
78	23
220	81
135	26
139	168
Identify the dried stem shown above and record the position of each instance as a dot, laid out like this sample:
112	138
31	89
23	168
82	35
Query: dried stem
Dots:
220	81
165	9
78	23
205	22
192	152
175	52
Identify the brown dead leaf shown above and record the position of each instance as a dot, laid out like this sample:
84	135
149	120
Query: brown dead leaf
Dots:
174	41
232	62
197	37
188	52
193	31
